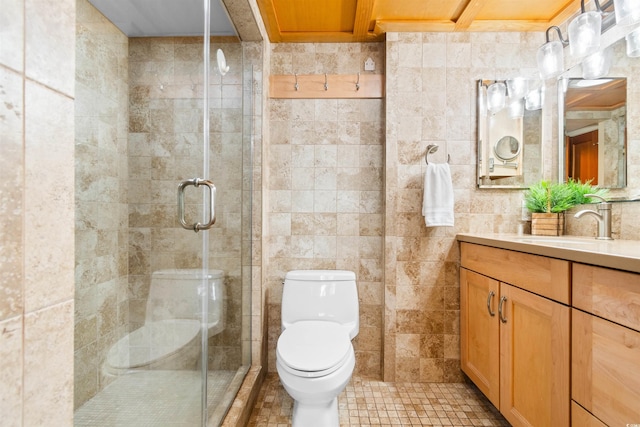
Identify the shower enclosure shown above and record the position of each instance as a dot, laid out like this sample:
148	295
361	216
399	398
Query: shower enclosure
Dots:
152	113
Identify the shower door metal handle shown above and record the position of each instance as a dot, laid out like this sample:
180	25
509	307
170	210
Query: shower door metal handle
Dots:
196	182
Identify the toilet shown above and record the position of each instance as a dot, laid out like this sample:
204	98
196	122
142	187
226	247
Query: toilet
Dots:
170	336
314	354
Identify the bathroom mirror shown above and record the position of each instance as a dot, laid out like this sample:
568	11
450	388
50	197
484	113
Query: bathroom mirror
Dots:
509	138
614	169
593	130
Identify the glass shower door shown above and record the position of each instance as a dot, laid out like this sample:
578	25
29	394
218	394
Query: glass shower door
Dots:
147	271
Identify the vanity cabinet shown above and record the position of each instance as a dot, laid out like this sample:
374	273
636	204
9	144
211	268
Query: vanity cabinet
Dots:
515	332
605	346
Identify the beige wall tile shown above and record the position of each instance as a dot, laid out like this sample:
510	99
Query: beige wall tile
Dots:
49	402
48	197
12	34
50	43
11	370
11	173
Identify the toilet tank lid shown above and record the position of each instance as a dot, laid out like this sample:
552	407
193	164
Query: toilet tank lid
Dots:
321	275
187	273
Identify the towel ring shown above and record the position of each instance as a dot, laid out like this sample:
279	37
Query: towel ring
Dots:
432	148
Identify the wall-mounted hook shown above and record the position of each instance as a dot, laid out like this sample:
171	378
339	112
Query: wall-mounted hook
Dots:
296	87
358	82
326	83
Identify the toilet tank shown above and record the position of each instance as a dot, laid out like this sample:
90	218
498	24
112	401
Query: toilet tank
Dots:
177	293
329	295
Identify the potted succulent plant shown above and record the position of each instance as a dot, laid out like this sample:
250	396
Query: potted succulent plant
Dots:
548	201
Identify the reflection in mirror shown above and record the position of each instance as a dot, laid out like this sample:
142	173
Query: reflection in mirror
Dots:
595	131
509	137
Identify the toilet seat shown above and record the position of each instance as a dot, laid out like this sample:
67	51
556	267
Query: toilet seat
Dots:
313	348
152	342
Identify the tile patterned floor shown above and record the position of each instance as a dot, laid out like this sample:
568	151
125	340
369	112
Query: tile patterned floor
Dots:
375	403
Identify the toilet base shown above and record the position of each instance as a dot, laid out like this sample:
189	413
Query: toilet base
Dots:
320	414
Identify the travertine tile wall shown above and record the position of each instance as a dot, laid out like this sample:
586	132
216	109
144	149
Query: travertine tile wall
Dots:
37	44
101	114
325	188
431	87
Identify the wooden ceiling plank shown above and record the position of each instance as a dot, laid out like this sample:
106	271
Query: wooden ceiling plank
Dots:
571	8
364	10
270	20
469	14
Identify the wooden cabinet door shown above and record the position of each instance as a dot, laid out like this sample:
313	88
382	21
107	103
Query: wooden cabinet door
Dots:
479	332
534	359
605	369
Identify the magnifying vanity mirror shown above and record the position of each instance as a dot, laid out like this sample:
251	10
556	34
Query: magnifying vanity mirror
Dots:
507	148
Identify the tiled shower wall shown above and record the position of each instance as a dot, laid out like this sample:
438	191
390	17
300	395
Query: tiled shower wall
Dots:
101	310
165	147
325	188
37	44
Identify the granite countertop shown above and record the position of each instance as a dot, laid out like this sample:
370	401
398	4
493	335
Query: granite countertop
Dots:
618	254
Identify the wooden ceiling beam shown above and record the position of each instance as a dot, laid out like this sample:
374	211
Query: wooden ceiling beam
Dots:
417	26
268	12
364	9
468	15
326	37
499	25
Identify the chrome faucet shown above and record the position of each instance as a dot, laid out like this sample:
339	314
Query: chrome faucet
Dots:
603	216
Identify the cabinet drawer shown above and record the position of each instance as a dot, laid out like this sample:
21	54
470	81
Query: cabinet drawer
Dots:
582	418
611	294
541	275
605	374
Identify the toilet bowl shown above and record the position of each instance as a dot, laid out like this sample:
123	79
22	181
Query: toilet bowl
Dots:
171	335
314	354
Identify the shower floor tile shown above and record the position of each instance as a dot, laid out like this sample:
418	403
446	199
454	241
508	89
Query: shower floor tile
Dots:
367	402
153	398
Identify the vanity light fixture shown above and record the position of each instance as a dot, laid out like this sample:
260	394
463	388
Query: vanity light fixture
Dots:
496	96
516	108
627	11
517	87
633	43
584	31
597	64
550	56
535	99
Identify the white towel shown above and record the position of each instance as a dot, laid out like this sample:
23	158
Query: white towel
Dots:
437	201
